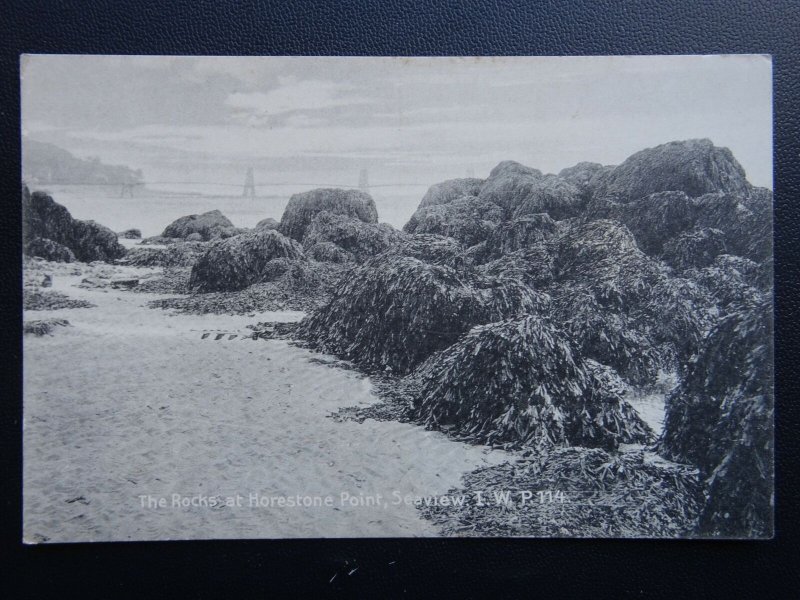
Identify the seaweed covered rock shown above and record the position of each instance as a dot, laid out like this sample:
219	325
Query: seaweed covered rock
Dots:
361	240
430	248
508	182
520	190
586	177
49	250
329	252
93	241
602	257
452	189
474	256
508	295
42	327
181	254
603	208
268	223
521	233
554	196
396	310
657	218
740	488
612	336
620	305
238	262
640	336
592	494
302	208
678	312
698	247
519	383
210	225
443	193
720	419
745	220
534	264
131	234
468	219
695	167
42	217
582	246
731	279
287	285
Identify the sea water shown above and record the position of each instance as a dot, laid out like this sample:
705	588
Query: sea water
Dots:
151	210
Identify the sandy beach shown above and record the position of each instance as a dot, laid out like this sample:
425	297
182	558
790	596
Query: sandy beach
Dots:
129	411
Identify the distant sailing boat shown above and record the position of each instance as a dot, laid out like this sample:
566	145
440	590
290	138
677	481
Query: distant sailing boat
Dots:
249	185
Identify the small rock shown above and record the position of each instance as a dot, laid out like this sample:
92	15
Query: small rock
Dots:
124	283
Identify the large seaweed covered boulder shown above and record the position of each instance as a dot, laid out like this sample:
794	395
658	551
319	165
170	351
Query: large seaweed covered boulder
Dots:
656	218
520	383
745	221
653	219
509	183
521	190
521	233
732	279
452	189
302	208
586	176
720	419
180	254
609	334
43	217
468	219
603	257
698	247
443	193
395	311
695	167
361	240
534	263
330	253
49	250
268	223
210	225
430	248
93	241
620	306
240	261
554	196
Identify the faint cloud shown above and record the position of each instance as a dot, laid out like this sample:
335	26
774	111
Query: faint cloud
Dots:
302	121
293	95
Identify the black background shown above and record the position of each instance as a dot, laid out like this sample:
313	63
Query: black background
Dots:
458	568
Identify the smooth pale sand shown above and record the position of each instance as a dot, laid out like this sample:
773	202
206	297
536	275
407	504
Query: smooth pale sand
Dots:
129	401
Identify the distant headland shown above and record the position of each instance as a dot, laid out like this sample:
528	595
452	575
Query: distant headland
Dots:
44	163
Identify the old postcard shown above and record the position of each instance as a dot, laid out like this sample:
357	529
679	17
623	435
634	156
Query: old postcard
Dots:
282	297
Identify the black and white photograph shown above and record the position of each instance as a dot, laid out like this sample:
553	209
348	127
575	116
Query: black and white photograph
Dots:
384	297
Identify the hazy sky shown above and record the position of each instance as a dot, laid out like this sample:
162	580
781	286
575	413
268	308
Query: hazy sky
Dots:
409	120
